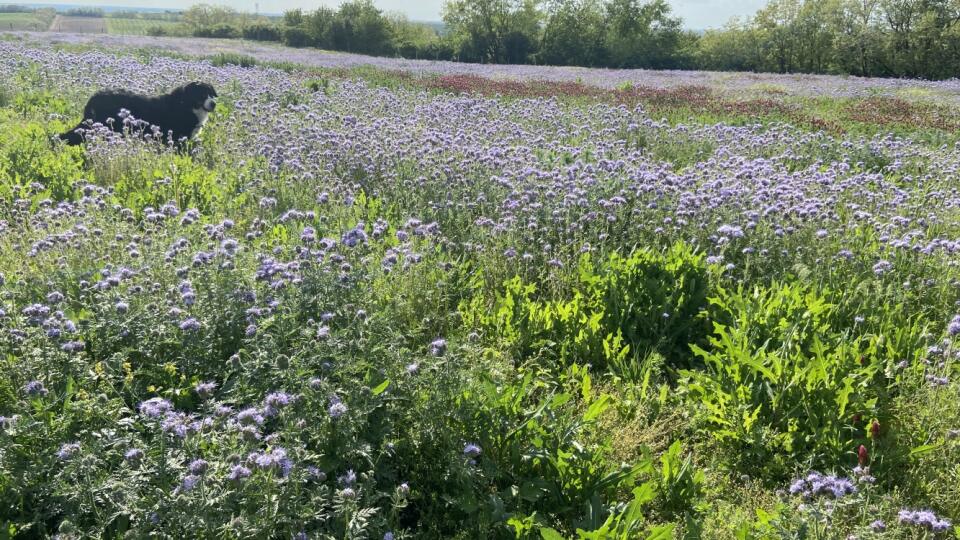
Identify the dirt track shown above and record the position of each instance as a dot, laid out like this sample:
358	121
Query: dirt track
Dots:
79	25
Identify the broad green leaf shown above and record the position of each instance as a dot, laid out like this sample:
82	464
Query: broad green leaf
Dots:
551	534
597	408
381	387
663	532
919	450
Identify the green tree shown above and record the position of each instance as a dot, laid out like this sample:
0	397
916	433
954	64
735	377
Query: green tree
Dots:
319	25
360	27
735	47
775	24
855	36
493	30
574	33
293	18
642	34
411	40
207	15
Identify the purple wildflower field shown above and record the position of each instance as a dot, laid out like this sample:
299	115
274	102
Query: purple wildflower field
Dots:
362	306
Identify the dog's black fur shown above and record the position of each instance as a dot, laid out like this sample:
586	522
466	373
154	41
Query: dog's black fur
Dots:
179	114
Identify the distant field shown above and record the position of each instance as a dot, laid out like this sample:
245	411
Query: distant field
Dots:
139	27
79	25
24	21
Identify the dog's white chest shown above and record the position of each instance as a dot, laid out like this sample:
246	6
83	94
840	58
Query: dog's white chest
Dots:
201	115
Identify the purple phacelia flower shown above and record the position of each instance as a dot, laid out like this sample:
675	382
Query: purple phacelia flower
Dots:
178	424
278	399
73	346
348	479
190	325
189	482
471	450
337	409
35	389
882	267
250	416
239	472
155	407
815	484
438	347
954	327
198	466
133	455
925	519
67	451
205	389
354	237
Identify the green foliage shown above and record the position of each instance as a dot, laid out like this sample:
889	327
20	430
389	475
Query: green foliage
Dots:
233	59
680	482
532	435
262	32
780	381
222	31
900	39
357	26
27	157
621	309
617	33
85	12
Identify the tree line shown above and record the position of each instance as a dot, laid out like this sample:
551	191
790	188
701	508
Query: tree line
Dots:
891	38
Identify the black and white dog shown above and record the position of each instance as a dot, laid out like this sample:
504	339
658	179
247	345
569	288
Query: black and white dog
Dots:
178	116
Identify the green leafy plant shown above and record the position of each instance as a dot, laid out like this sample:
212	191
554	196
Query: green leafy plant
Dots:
779	381
622	308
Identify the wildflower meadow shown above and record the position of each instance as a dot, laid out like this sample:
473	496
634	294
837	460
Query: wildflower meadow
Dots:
394	300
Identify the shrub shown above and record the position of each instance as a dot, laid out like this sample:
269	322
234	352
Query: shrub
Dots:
233	59
262	32
780	382
85	12
296	37
224	31
156	31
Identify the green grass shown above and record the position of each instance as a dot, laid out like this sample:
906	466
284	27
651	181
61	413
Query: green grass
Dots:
233	59
24	21
142	27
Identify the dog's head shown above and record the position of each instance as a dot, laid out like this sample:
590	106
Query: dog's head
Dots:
198	95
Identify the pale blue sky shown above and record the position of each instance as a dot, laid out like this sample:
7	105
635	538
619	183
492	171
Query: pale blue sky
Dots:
697	14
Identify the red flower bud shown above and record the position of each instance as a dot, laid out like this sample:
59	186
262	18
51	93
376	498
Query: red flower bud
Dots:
875	429
857	418
863	361
863	458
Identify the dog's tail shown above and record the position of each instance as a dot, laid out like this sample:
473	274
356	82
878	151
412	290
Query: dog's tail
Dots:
72	137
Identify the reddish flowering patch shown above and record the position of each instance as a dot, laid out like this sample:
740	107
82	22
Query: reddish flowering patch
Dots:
896	111
658	101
